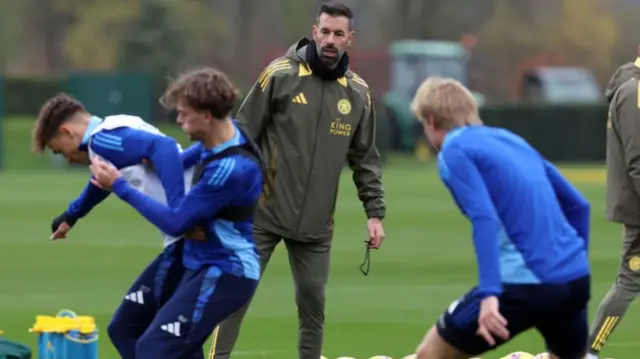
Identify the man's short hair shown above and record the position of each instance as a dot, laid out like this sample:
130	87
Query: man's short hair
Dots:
335	9
448	101
56	111
205	89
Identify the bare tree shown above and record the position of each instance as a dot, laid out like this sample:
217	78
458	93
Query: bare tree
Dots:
437	19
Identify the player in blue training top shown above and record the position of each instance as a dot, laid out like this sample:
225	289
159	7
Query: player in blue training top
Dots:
67	128
530	232
223	269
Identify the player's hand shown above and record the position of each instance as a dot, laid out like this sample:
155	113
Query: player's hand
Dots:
376	232
491	323
196	234
104	174
147	164
61	231
61	225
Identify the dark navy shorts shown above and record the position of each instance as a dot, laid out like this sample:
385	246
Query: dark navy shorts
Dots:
203	299
148	293
557	311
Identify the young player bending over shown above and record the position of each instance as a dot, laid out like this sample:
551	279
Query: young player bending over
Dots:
530	232
67	128
222	270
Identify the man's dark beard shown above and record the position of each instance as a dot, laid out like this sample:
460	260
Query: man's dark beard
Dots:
321	68
332	61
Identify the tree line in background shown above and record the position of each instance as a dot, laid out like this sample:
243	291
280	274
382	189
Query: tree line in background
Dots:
164	36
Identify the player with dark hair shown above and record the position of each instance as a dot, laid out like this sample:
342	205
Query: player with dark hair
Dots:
223	269
67	128
530	233
310	114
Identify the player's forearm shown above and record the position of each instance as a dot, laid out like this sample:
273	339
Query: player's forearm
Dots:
167	163
576	209
579	218
574	205
191	155
168	220
90	197
486	233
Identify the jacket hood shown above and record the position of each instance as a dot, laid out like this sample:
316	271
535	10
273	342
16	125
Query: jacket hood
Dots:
623	74
296	51
300	53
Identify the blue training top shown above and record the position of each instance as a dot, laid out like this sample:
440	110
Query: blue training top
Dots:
530	225
229	181
124	147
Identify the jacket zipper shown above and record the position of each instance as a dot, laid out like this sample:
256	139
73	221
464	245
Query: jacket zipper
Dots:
313	156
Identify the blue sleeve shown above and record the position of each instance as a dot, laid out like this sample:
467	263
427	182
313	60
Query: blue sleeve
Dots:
90	197
469	191
125	146
220	184
575	206
191	155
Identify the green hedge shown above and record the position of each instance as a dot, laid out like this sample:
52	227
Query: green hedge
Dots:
23	96
559	132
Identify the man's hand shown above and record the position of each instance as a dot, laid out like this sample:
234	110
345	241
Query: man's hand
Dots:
104	174
376	232
61	231
490	322
60	226
147	163
196	234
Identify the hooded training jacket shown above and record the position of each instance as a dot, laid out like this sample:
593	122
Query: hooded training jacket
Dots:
623	145
307	128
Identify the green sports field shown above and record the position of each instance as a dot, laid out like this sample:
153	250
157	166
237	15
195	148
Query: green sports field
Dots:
425	263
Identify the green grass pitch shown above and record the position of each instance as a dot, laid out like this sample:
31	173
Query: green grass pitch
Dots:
426	262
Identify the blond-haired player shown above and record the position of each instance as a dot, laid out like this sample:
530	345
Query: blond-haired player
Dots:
530	232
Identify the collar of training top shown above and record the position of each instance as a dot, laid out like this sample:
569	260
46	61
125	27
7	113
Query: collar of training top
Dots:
93	123
235	141
453	134
318	68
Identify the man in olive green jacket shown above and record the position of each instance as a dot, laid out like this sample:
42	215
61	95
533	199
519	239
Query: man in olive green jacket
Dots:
623	198
309	113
